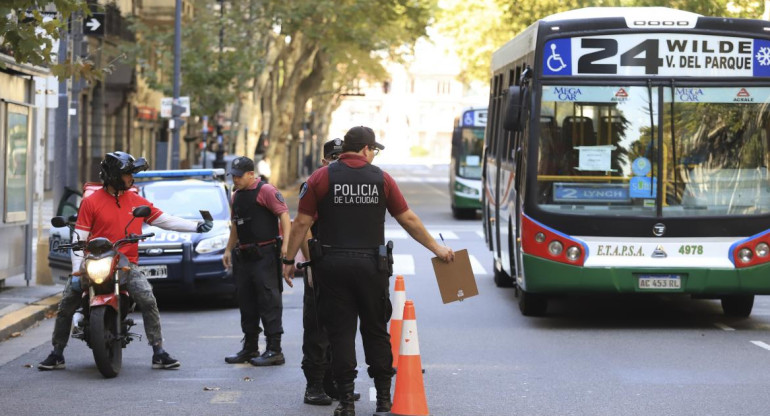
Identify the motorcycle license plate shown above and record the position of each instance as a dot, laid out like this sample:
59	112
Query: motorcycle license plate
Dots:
155	272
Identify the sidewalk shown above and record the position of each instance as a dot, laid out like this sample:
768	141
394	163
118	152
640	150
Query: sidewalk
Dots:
22	306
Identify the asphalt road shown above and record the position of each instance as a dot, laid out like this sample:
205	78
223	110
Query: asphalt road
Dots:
652	355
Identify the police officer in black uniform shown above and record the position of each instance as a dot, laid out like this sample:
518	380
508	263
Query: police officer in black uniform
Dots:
253	250
350	260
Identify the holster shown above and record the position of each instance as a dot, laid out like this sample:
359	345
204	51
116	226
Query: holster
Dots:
279	269
249	253
316	253
385	258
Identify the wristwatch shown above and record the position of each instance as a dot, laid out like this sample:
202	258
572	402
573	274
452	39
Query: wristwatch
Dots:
286	261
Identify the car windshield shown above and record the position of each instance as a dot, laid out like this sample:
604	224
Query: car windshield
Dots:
185	198
599	150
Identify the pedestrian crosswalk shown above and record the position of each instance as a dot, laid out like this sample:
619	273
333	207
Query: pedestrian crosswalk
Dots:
404	264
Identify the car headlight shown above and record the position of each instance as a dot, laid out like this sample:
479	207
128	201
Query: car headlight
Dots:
209	245
99	270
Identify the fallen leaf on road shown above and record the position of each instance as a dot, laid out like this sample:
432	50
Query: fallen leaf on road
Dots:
248	379
211	389
50	314
15	334
27	365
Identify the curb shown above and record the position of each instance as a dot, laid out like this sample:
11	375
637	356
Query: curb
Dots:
25	317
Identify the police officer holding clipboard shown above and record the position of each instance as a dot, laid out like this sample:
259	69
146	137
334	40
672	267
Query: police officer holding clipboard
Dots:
351	261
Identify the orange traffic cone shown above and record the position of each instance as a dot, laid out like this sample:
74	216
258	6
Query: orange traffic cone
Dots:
409	398
399	297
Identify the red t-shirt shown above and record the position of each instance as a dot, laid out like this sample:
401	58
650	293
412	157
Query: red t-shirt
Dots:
318	186
100	216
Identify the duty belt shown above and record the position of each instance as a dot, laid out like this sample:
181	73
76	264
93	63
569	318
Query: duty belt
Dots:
258	244
369	251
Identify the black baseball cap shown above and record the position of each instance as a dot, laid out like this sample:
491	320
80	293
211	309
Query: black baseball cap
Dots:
332	147
241	165
362	135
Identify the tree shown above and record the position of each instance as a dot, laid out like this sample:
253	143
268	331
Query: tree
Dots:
28	36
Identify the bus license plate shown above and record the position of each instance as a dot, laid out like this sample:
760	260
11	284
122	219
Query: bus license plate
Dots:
660	282
155	272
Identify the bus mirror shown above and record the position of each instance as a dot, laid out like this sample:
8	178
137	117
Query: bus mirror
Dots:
516	108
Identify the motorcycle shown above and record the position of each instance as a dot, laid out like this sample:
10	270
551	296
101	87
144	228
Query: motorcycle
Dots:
106	304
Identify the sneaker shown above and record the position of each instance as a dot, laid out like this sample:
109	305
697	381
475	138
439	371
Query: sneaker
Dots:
53	362
164	361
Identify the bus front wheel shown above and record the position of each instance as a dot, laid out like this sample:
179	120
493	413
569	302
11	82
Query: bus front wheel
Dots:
738	306
532	304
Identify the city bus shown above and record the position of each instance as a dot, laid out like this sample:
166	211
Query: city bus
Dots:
465	167
627	151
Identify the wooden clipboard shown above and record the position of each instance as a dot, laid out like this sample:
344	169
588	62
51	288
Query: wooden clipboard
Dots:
455	279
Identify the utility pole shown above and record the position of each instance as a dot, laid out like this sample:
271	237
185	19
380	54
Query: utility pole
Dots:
176	109
61	165
73	139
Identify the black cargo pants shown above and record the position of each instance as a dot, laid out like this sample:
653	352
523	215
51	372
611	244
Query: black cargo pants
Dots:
352	288
259	288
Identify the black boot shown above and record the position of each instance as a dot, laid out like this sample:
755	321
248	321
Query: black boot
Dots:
331	391
383	395
347	406
314	394
250	350
272	354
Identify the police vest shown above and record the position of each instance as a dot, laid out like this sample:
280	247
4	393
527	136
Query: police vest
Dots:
352	214
254	223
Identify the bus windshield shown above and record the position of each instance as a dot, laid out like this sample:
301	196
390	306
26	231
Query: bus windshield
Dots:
469	151
600	150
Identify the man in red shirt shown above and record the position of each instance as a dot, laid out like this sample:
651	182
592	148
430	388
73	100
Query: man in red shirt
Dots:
105	213
350	198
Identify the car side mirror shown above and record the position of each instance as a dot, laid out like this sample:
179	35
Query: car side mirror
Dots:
58	222
142	211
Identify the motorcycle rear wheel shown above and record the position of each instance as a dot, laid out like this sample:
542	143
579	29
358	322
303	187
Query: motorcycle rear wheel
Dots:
107	348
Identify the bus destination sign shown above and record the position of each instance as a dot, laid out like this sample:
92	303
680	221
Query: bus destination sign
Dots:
657	54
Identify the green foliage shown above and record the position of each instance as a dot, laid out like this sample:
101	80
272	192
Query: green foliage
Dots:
29	39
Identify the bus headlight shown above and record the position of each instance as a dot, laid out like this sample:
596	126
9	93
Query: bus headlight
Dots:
465	189
762	249
99	270
573	253
212	244
745	255
555	248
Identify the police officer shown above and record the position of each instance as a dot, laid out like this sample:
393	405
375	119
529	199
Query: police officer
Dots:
253	250
316	354
106	213
350	198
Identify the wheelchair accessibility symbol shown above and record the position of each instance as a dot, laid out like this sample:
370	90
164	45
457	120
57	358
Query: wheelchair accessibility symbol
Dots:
554	61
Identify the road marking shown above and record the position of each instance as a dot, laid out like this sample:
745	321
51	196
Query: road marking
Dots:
476	266
448	235
403	264
398	234
723	326
226	397
761	344
480	233
372	394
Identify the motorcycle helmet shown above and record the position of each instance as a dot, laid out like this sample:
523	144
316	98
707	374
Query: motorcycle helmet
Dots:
115	165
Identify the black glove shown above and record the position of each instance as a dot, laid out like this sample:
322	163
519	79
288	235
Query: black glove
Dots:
204	226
